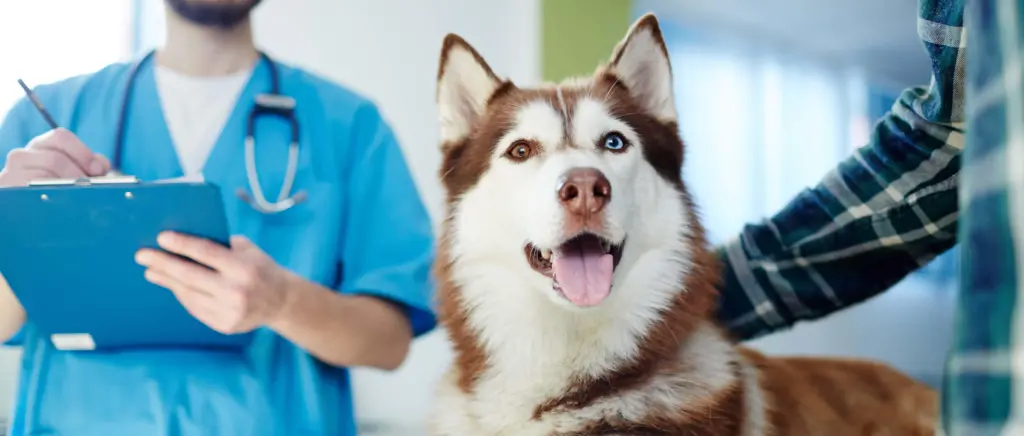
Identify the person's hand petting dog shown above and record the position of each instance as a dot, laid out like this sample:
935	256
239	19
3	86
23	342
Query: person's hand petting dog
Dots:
243	288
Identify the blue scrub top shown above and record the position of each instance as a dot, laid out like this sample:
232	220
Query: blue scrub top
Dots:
363	230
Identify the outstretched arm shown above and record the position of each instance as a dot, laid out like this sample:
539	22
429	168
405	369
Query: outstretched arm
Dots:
881	214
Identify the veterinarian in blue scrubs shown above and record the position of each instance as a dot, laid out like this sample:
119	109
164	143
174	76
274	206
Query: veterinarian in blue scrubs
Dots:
337	280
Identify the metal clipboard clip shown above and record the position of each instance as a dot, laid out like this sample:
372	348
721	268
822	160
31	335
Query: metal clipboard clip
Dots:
87	181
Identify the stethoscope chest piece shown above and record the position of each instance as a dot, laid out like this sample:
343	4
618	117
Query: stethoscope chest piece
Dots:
282	106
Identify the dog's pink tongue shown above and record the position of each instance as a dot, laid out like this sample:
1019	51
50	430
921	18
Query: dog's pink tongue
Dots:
583	271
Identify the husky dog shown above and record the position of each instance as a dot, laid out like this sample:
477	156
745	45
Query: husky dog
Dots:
575	283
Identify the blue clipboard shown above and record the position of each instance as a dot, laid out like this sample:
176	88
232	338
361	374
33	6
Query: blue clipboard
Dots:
67	250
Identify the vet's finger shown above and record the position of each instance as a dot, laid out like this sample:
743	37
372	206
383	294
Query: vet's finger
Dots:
23	178
194	276
200	305
203	307
201	250
101	164
56	164
62	141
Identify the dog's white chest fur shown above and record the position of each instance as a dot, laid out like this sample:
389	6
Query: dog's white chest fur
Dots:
504	401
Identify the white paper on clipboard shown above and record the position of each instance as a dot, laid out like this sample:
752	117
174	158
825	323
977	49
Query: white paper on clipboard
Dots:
194	178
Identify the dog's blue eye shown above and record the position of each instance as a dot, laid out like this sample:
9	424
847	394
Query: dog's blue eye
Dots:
614	141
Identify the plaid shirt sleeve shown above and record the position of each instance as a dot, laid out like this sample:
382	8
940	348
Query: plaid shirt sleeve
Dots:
984	392
881	214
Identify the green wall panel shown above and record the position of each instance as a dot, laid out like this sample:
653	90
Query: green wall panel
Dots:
577	35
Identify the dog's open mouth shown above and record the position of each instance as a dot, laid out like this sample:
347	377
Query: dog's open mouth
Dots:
581	268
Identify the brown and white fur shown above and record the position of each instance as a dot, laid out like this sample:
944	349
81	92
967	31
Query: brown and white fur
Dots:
646	359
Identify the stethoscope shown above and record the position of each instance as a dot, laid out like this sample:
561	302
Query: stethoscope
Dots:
273	103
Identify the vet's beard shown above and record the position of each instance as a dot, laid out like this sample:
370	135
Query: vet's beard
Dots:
222	16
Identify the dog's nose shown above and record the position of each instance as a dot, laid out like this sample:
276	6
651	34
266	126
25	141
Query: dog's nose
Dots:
584	191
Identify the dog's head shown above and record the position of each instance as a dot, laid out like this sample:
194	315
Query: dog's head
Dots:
572	190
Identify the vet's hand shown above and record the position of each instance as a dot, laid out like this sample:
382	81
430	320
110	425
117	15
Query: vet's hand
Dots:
243	288
54	154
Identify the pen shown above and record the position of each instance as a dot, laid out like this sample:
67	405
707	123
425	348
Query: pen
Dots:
38	104
49	119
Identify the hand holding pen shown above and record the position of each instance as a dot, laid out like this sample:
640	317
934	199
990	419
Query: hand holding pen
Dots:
57	153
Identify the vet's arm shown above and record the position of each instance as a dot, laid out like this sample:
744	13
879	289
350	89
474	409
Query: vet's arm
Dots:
12	315
344	330
19	126
880	215
383	300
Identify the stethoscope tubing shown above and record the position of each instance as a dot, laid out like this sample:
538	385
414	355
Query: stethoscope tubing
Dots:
275	104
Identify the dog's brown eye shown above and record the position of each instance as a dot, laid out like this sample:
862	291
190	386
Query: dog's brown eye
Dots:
519	151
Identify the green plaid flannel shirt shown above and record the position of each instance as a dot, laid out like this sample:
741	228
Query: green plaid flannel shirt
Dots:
893	206
881	214
985	375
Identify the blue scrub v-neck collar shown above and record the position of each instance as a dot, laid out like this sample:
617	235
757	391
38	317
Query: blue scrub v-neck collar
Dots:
149	148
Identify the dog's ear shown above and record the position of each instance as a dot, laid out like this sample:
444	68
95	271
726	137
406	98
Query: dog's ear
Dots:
464	85
640	62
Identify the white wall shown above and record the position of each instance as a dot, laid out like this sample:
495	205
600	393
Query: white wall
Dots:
388	50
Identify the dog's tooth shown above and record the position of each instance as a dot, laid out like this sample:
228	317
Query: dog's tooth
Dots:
545	254
607	246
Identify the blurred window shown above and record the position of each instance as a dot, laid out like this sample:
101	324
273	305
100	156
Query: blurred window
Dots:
43	41
760	126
